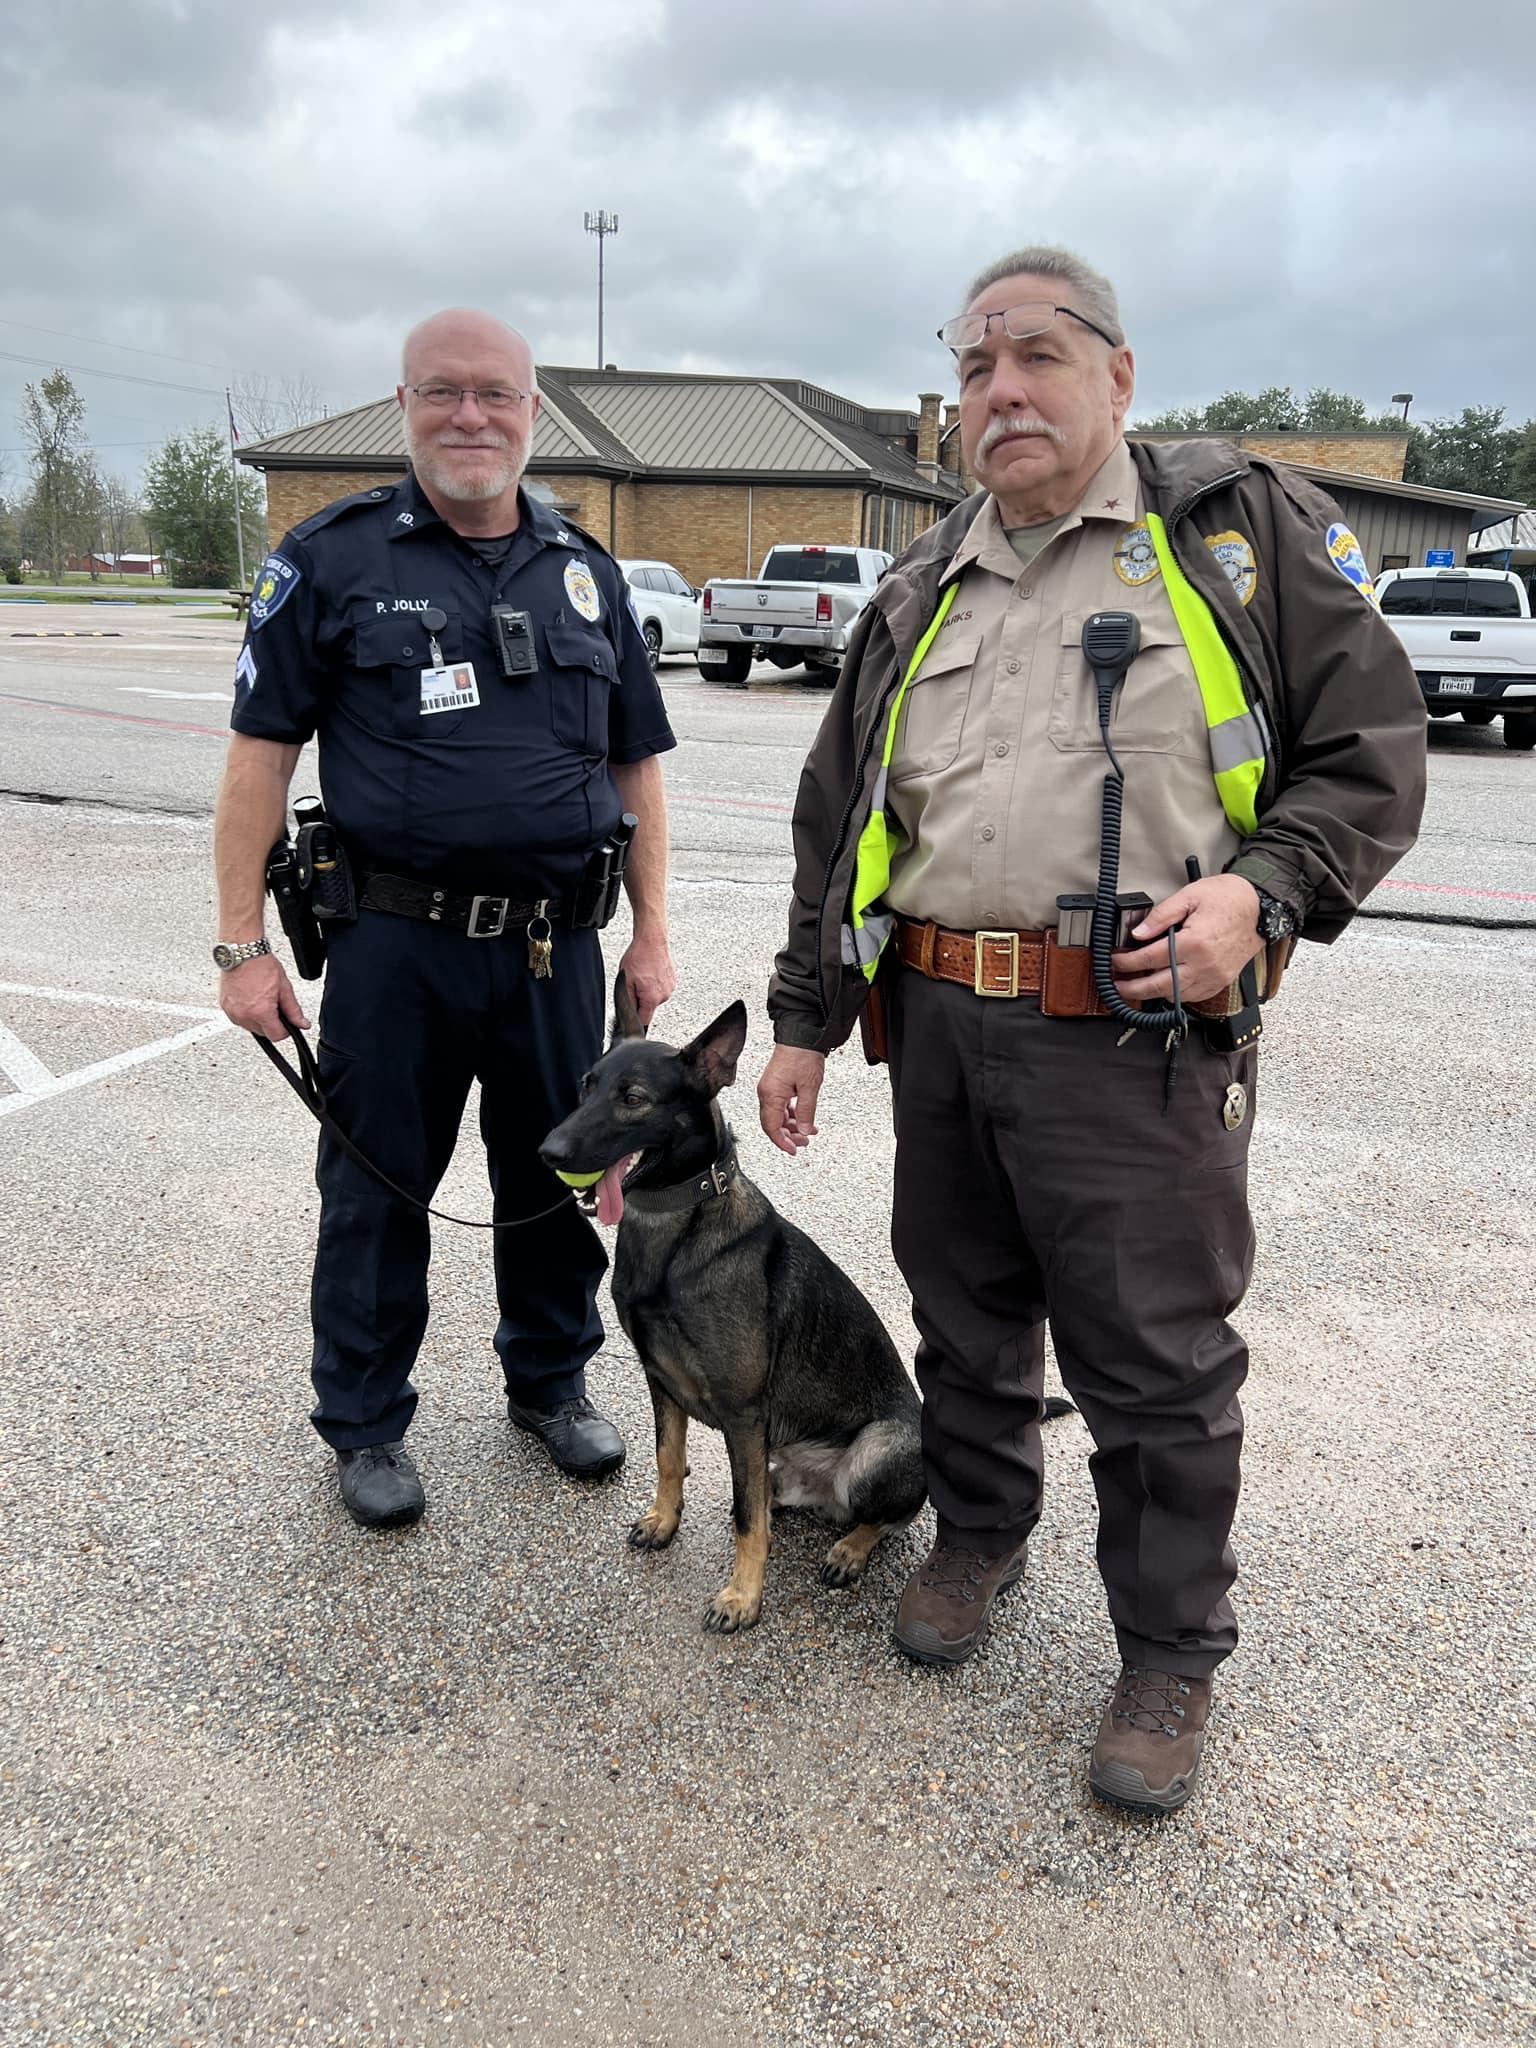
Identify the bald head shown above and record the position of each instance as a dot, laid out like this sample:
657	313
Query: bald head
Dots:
459	331
470	438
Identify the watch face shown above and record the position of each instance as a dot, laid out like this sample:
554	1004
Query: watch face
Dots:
223	956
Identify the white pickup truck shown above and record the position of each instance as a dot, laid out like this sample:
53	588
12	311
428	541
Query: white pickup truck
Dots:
800	610
1472	641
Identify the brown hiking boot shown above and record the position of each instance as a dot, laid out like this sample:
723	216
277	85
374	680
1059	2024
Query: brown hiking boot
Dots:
1147	1756
945	1603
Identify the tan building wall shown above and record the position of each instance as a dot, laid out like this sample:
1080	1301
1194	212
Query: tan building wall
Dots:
294	495
704	530
1380	455
709	530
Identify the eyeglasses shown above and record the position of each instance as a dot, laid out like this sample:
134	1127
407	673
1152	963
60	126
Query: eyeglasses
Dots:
489	397
1034	316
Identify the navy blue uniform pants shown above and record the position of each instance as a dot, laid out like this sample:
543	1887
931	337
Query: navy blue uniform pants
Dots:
412	1015
1038	1179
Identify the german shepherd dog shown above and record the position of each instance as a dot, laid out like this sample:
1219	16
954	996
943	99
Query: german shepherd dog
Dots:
741	1322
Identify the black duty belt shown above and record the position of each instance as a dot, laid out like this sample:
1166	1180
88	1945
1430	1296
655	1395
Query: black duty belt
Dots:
478	917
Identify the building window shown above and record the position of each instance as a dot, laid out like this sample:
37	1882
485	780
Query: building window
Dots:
1394	561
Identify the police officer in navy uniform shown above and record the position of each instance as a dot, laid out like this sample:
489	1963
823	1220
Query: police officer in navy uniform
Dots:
470	765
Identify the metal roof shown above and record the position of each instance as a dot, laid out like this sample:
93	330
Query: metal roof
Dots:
1348	479
720	424
631	423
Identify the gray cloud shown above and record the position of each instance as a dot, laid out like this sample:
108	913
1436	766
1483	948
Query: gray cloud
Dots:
1302	193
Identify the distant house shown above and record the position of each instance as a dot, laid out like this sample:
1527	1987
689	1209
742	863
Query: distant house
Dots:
115	565
706	472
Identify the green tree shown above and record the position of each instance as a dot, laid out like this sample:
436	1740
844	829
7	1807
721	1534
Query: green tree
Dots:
189	501
65	510
1179	419
1476	452
1522	468
1238	412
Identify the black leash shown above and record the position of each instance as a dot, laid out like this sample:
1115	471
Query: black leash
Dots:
306	1085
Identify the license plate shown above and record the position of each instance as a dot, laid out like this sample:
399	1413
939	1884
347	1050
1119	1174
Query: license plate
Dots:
711	654
1458	686
762	632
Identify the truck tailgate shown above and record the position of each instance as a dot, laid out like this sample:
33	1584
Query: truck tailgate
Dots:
762	604
1474	646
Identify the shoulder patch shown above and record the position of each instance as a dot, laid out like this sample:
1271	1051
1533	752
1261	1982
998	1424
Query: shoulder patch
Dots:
1345	554
1136	558
276	581
1236	556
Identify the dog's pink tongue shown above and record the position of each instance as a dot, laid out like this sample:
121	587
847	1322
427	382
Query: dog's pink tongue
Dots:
610	1193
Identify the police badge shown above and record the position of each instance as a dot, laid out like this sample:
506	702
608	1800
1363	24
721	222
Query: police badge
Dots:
581	589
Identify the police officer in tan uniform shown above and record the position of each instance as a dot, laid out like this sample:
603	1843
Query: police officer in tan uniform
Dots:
1052	1163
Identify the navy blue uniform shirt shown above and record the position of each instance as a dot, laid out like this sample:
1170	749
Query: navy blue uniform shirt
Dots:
507	795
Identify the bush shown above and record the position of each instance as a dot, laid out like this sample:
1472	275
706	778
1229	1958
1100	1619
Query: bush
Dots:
10	568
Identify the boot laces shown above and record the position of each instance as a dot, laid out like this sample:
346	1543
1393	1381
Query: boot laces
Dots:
1152	1701
393	1455
955	1574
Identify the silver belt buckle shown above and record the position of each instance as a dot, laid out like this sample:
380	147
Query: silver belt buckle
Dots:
474	929
980	982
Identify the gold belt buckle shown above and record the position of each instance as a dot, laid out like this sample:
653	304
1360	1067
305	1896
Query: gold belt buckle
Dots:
980	982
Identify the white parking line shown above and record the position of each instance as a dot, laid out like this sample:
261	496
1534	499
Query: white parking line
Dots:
183	696
21	1065
81	995
36	1083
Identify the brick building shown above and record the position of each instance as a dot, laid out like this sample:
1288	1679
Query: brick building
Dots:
710	472
706	472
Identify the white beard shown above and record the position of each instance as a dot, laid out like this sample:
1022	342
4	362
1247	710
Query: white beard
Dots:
506	468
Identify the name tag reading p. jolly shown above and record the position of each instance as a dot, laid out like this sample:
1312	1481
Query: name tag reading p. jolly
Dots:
452	688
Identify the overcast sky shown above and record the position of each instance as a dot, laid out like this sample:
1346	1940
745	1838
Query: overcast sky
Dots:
1297	191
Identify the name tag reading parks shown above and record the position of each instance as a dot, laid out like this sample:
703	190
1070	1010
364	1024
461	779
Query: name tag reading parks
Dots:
449	689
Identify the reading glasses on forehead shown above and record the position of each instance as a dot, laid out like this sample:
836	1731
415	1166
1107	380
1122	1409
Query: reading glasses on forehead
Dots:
1034	316
489	397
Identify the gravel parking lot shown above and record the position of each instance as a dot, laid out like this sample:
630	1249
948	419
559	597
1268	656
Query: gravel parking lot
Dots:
271	1779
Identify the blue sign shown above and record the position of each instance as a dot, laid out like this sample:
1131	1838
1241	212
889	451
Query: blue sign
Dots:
1440	558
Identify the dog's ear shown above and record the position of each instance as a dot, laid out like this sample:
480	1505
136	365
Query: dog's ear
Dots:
626	1018
712	1056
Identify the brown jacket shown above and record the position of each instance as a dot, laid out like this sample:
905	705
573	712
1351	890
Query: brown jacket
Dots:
1341	797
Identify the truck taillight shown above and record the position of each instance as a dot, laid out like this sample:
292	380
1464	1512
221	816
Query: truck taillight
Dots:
708	595
823	607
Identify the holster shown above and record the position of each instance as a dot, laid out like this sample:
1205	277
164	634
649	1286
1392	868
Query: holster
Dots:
874	1023
304	936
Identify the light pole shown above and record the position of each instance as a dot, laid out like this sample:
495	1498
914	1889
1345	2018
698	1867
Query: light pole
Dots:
1404	399
602	225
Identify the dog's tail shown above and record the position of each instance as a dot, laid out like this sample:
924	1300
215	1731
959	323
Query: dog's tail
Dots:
1058	1404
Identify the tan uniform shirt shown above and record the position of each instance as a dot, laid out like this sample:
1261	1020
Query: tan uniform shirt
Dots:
998	769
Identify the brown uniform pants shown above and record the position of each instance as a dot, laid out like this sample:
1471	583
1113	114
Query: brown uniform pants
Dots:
1037	1176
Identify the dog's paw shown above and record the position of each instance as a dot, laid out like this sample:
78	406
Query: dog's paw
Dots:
730	1611
843	1566
653	1531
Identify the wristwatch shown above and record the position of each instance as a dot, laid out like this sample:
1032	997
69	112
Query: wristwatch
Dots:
1277	920
234	953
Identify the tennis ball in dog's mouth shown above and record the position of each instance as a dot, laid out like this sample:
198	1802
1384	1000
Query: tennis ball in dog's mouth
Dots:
578	1180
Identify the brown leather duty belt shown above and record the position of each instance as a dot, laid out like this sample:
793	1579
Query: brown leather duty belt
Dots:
1011	964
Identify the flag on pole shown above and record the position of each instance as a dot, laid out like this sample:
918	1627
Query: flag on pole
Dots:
234	431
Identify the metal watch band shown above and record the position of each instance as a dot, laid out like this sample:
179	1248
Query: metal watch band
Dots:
230	953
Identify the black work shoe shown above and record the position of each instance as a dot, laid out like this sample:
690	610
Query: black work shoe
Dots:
579	1440
381	1486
